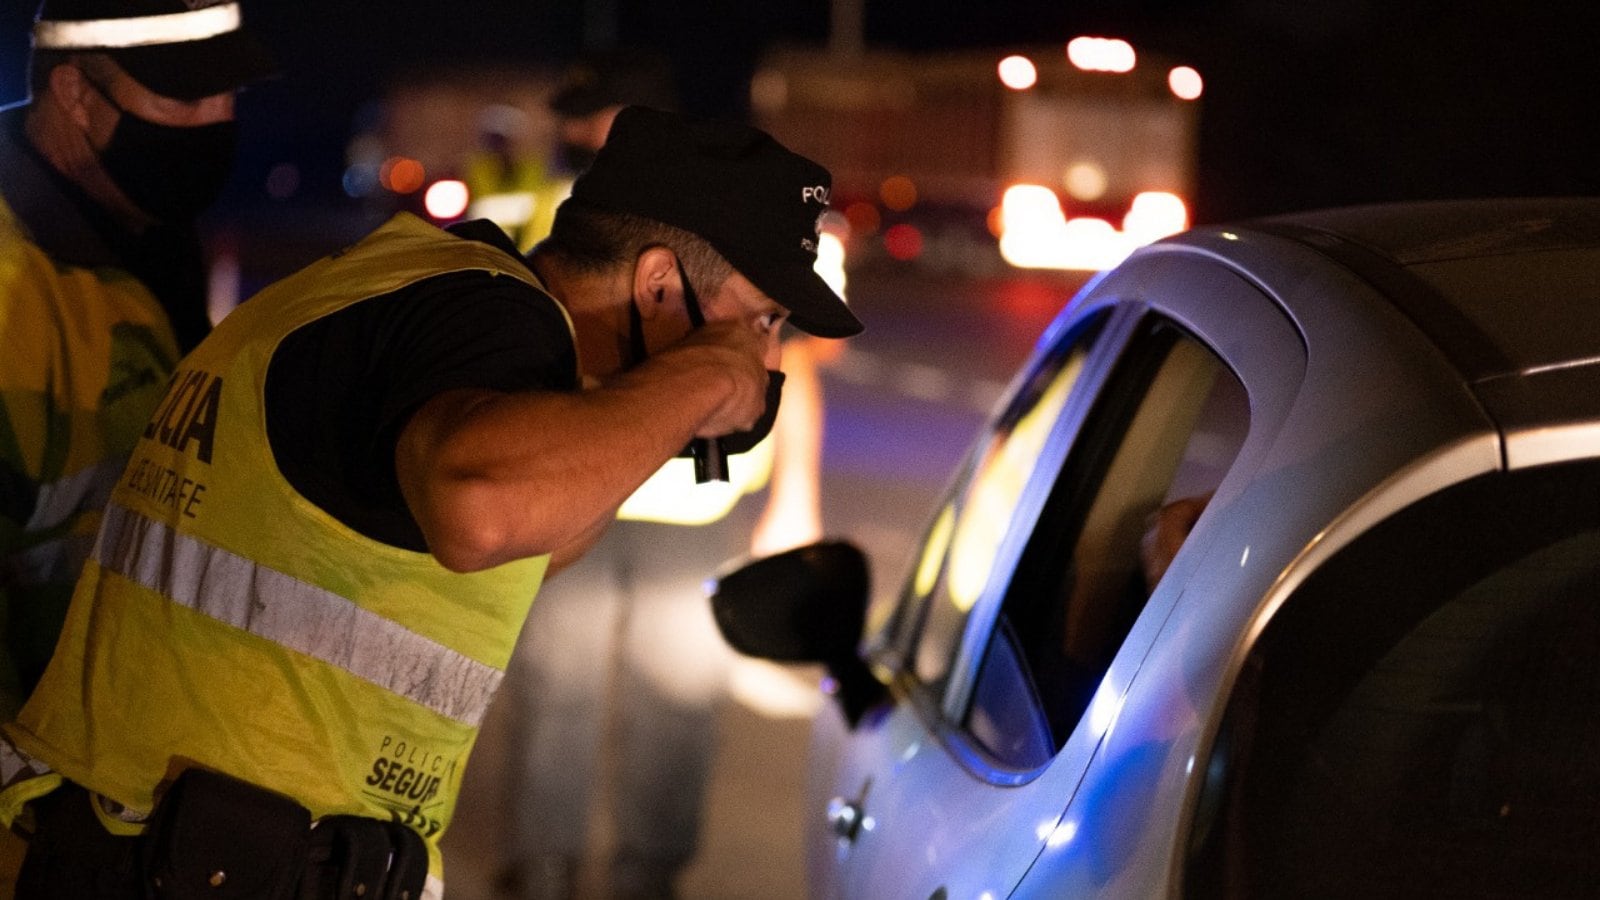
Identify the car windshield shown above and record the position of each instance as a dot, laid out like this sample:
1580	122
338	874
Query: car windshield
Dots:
1421	717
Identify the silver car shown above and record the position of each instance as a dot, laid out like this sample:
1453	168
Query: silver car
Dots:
1277	574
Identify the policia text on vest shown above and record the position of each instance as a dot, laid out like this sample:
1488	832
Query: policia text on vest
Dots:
357	673
186	421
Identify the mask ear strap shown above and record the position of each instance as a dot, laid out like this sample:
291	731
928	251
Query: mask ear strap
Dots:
691	303
697	316
104	92
710	461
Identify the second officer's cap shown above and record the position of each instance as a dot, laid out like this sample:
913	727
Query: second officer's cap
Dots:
186	49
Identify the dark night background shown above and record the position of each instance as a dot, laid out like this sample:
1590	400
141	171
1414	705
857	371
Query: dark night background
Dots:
1307	104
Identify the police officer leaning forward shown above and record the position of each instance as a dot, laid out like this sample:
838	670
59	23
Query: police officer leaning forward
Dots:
319	558
129	133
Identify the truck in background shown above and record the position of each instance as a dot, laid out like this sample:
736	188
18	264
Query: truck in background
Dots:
1063	156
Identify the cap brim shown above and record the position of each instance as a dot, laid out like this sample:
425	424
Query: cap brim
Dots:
813	306
195	69
835	321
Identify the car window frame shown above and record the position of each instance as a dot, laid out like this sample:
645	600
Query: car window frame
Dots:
892	648
1207	315
1083	480
1128	377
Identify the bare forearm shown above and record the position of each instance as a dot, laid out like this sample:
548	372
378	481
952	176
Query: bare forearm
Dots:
493	477
571	552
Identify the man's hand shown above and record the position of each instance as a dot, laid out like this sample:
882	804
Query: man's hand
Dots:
729	353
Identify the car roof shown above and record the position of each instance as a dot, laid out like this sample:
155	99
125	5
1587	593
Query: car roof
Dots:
1504	287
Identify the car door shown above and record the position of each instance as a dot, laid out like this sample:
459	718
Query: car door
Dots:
1030	603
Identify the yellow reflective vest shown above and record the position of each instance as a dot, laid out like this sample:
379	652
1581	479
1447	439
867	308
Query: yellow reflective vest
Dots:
84	357
226	622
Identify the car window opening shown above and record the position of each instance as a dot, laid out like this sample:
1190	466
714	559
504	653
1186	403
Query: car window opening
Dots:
959	552
1153	453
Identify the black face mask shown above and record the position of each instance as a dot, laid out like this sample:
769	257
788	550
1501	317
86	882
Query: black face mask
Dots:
168	171
745	441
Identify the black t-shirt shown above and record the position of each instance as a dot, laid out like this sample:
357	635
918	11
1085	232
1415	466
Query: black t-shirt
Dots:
340	389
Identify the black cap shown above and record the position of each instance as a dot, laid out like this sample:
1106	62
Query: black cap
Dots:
186	49
756	202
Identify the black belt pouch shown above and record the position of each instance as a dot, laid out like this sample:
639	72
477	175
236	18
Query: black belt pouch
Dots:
219	838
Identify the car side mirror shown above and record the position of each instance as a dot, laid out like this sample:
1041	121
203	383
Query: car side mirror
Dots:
808	604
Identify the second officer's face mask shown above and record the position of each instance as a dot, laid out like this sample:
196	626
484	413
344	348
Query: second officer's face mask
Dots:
171	172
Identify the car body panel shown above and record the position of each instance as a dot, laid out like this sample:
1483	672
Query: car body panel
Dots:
911	746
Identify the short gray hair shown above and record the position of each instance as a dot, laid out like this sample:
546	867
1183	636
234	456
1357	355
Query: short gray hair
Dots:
594	240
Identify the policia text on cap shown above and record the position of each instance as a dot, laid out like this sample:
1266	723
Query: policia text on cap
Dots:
321	554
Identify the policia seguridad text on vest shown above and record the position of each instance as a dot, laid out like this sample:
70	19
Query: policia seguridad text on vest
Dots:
273	643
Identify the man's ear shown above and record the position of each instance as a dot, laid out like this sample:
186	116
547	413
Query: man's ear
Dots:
656	285
69	88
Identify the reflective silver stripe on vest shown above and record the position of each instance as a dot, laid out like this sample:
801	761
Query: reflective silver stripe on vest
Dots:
302	617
